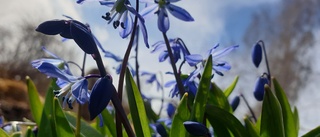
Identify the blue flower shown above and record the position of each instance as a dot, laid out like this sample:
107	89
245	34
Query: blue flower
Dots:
259	87
256	54
153	78
101	94
218	66
121	11
70	29
176	47
75	87
160	8
189	84
196	128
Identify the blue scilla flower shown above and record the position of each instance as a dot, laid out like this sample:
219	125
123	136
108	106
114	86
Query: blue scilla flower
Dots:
122	19
176	47
218	66
190	86
160	8
196	128
70	29
152	78
259	87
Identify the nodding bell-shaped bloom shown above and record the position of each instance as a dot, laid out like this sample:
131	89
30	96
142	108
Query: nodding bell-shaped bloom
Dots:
259	88
256	54
217	65
122	19
76	88
160	8
196	128
70	29
176	47
101	94
235	103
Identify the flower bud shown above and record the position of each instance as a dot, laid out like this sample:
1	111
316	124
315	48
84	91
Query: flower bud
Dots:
256	54
259	88
235	103
196	128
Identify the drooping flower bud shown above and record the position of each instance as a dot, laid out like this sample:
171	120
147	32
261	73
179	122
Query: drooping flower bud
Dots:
100	96
83	37
196	128
161	130
259	88
52	27
256	54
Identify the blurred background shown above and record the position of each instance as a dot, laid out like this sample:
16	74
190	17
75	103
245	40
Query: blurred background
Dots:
289	28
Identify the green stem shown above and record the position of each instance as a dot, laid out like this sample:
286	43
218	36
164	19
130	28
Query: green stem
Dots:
266	60
251	111
174	68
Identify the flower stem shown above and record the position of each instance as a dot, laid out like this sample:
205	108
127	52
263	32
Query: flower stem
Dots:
78	124
174	68
251	111
136	59
123	69
266	60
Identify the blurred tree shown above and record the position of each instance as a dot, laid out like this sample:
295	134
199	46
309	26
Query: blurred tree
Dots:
289	33
21	45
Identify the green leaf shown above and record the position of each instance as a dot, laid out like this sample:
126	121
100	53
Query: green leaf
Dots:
46	127
36	105
296	119
313	133
3	133
221	117
251	129
16	134
86	130
182	115
218	98
29	133
200	100
231	87
271	116
108	122
62	126
288	119
137	109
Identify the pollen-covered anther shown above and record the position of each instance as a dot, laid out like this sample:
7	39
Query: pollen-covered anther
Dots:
107	17
116	24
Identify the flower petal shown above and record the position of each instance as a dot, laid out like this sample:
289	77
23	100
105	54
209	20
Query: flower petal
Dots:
126	28
163	20
149	11
52	27
171	110
163	56
193	59
100	96
83	37
80	91
144	33
223	52
179	13
108	54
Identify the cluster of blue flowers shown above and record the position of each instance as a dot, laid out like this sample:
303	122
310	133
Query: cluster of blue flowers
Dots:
75	88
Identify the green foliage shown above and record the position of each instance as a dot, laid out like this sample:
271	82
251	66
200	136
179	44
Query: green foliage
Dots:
137	109
210	105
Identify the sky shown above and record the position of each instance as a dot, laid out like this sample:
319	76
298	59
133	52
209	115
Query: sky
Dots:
216	21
